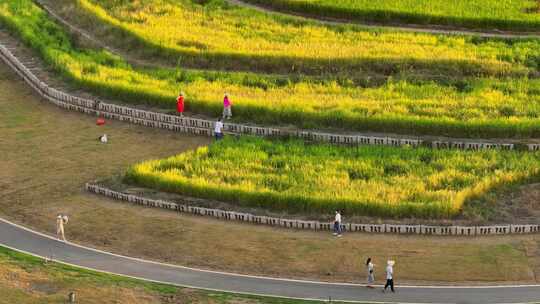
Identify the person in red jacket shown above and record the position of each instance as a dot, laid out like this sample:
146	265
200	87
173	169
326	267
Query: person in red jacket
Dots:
180	104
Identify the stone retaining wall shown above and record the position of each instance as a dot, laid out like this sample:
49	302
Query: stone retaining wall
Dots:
204	127
316	225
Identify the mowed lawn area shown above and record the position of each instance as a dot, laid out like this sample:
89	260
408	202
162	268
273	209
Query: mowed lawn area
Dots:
491	92
294	177
511	15
48	155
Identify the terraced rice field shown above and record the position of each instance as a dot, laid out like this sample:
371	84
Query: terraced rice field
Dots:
300	178
482	87
474	107
513	15
217	34
50	153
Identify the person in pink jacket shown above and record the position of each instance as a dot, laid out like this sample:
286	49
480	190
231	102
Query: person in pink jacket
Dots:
227	113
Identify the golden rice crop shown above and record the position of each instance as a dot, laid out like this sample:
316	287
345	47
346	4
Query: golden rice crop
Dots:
313	178
470	107
218	35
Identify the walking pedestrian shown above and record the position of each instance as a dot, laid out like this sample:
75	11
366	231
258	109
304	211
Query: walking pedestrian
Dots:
61	220
337	224
389	276
218	129
371	273
180	104
227	104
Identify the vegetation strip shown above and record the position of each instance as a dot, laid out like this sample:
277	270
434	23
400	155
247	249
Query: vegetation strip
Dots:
510	15
295	177
468	107
316	225
204	127
212	32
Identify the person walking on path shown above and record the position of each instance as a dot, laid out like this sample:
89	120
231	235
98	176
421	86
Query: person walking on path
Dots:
337	224
227	104
180	104
389	276
61	220
370	273
218	129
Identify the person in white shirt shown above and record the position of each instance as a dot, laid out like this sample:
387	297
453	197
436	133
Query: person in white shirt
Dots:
370	272
218	129
389	276
60	221
103	138
337	224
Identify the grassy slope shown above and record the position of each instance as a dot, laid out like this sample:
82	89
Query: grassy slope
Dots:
25	279
48	154
512	15
483	107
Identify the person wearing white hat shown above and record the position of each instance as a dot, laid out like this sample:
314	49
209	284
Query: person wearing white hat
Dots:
389	276
60	221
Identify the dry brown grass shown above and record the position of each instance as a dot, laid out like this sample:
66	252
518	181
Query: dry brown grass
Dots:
48	154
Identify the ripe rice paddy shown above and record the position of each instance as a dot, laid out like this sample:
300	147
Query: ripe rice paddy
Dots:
215	34
295	177
473	107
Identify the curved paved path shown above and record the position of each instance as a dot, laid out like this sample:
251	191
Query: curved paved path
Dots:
400	27
22	239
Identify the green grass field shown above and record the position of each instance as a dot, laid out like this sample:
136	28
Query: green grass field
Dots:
317	179
513	15
473	107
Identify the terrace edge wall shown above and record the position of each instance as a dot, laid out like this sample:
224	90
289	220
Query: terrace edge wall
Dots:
204	127
502	229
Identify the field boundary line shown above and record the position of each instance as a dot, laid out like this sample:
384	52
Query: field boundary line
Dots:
204	127
431	230
403	27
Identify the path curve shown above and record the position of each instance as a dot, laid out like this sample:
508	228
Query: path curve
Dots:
25	240
400	27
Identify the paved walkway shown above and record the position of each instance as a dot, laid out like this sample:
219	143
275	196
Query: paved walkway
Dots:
399	27
23	239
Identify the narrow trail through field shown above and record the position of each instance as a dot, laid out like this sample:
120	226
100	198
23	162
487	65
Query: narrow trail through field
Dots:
396	27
